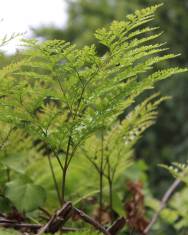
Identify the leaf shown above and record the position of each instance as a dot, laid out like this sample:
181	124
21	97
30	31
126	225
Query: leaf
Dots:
8	232
118	205
25	196
168	214
13	162
4	205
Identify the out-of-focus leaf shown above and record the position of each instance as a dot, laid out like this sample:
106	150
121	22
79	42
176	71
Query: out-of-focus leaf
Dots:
4	204
25	196
117	204
169	215
8	232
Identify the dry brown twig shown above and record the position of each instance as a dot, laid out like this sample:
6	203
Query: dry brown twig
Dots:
26	226
82	215
58	219
163	203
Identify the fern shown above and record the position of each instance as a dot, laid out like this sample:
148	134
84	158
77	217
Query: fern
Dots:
17	153
180	173
180	208
178	170
67	97
111	156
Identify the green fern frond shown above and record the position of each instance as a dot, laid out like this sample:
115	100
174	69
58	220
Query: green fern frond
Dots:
178	170
67	97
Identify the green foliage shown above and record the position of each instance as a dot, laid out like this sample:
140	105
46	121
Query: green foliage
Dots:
113	161
161	141
12	232
178	203
61	105
8	232
179	199
65	94
16	154
178	170
82	233
6	39
26	197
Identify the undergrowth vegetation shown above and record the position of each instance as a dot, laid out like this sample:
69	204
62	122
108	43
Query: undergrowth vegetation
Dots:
69	123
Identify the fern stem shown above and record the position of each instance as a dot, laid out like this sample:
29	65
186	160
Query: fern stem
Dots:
54	179
59	161
101	190
101	176
110	185
63	92
110	196
65	170
63	186
67	159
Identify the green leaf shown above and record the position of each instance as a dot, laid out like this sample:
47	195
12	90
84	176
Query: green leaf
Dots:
25	196
13	162
4	204
117	204
8	232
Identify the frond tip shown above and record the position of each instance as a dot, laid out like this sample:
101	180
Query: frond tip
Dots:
178	170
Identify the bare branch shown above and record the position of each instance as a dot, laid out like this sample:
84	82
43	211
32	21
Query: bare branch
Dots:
31	227
57	220
163	203
117	226
91	221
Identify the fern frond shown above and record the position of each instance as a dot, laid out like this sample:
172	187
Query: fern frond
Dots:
68	97
178	170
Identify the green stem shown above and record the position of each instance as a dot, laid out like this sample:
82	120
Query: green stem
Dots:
110	196
110	185
67	159
54	179
101	190
65	170
63	185
101	176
